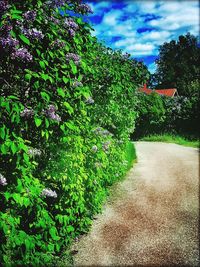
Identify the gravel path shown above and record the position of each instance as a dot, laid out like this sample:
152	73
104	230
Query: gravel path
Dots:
152	217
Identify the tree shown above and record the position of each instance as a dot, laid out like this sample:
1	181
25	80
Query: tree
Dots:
177	65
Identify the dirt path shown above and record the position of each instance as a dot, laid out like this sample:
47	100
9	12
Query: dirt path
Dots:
152	218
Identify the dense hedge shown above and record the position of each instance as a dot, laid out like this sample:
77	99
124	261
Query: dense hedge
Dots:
160	114
67	107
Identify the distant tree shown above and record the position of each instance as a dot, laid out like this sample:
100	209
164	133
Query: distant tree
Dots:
178	65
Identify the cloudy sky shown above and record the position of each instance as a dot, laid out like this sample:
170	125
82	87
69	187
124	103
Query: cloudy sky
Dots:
139	27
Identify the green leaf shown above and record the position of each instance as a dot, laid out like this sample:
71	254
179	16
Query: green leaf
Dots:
47	122
38	52
26	157
28	76
4	149
61	92
14	148
45	76
42	64
13	34
38	122
70	229
2	132
45	96
53	233
65	79
24	39
69	108
74	68
16	16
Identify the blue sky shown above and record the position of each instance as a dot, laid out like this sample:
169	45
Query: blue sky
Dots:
139	27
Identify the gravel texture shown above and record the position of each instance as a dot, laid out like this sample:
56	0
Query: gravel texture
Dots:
152	216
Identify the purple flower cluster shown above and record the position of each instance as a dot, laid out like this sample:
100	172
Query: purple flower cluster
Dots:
27	113
49	193
3	180
77	84
59	43
5	29
89	100
22	54
8	42
3	6
54	20
71	25
106	145
84	9
56	3
33	33
30	16
73	57
102	132
50	112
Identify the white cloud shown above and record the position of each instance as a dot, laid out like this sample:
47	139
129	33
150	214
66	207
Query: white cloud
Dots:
140	49
112	18
166	20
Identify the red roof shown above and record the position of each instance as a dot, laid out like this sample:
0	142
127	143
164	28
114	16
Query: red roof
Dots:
146	90
166	92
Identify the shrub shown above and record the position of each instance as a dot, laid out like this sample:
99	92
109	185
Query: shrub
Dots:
67	109
160	114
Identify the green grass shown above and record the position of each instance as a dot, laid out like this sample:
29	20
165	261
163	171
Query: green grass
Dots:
169	138
130	155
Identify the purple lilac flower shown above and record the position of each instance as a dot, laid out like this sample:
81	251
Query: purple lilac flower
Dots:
50	112
3	180
105	133
84	9
27	113
106	145
5	29
73	57
59	43
71	32
8	42
34	152
97	130
56	3
3	6
30	15
71	24
49	193
23	54
54	20
33	33
89	100
77	84
94	148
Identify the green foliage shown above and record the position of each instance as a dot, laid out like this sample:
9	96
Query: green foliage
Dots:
67	107
151	114
178	65
159	114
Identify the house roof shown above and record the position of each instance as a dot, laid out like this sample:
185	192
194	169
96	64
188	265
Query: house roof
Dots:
166	92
